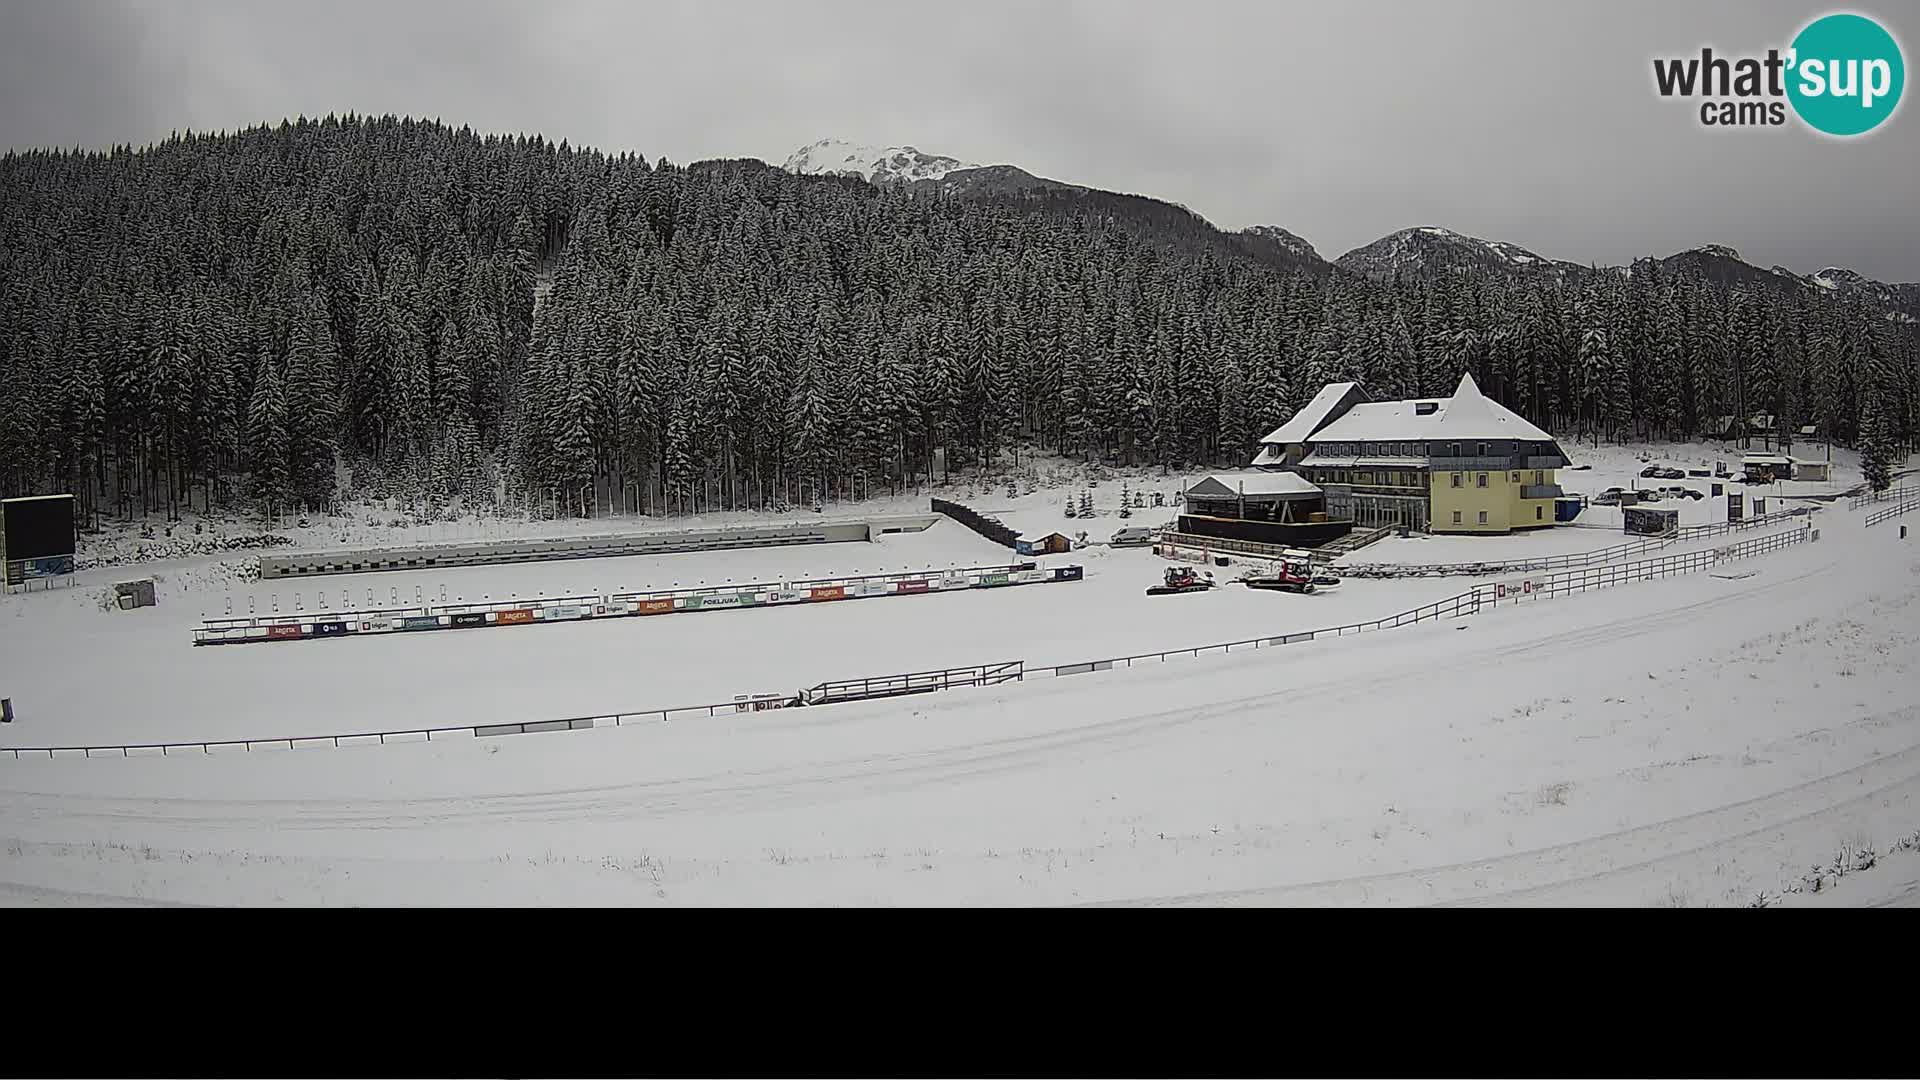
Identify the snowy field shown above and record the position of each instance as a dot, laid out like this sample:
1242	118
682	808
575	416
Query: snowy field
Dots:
1695	741
82	676
1701	740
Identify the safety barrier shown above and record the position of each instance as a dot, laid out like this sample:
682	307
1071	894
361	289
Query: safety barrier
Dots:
520	612
1721	528
1879	516
1467	603
1479	569
827	693
1472	602
1567	583
1901	491
1576	560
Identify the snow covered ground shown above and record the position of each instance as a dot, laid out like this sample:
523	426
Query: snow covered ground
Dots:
1692	741
1700	740
83	676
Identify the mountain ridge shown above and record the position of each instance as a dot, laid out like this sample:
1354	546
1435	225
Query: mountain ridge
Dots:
1419	249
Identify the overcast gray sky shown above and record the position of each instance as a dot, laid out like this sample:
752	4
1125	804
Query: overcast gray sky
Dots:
1531	121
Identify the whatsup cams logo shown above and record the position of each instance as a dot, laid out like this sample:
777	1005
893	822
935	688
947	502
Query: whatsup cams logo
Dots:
1842	75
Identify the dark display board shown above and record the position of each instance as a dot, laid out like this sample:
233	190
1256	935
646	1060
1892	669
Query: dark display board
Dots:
37	528
36	538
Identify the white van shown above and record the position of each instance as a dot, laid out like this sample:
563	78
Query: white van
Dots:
1132	536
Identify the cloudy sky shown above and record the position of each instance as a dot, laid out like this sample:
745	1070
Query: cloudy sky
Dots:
1532	122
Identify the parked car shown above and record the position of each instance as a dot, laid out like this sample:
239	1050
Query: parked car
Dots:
1649	472
1673	474
1132	536
1609	497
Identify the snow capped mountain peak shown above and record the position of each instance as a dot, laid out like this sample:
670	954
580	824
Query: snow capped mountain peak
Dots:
1429	247
1839	277
875	164
1281	236
1721	250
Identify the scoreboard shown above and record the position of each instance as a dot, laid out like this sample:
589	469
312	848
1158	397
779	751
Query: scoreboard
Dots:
37	538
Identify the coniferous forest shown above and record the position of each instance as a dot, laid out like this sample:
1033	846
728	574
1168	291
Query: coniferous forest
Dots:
231	321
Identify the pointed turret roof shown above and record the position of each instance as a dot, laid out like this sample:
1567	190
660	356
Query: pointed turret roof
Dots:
1468	414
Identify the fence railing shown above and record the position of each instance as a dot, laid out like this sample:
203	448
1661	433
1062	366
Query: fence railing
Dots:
1466	603
1879	516
1566	583
1480	569
1223	546
1472	602
1573	561
988	527
377	738
1901	491
918	682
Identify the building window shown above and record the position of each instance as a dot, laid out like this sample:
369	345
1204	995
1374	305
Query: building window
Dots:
1516	478
1456	517
1456	479
1483	449
1483	480
1539	512
1483	517
1537	477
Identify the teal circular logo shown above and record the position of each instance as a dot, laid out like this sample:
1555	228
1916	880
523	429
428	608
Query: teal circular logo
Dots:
1846	74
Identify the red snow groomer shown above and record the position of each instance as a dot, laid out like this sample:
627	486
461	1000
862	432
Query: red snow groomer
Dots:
1181	579
1287	575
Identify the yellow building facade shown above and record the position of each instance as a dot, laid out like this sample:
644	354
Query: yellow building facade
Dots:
1460	464
1492	500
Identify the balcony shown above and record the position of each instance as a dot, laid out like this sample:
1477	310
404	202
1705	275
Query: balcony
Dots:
1504	463
1550	461
1541	491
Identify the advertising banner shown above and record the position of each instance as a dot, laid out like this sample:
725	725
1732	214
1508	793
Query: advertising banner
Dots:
20	571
